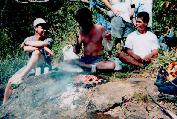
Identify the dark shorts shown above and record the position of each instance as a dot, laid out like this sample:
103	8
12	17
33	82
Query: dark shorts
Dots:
91	59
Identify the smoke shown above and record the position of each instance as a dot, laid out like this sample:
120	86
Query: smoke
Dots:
46	94
70	67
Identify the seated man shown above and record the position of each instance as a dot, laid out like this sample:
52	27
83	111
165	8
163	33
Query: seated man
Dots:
91	36
141	45
38	48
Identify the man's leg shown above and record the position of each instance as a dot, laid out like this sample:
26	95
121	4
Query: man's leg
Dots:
117	31
129	28
36	55
105	66
128	59
8	91
117	27
16	78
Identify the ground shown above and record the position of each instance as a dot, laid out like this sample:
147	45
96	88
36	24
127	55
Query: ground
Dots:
57	96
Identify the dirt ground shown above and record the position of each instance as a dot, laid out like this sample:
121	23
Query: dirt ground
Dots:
136	102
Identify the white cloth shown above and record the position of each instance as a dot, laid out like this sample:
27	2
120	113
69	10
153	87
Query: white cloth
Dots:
68	53
142	44
124	8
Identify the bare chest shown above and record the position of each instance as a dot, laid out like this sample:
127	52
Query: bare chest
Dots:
94	37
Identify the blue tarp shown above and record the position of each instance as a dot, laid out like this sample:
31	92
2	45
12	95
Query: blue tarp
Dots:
164	86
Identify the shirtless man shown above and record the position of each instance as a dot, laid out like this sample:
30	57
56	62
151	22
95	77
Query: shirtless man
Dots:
91	36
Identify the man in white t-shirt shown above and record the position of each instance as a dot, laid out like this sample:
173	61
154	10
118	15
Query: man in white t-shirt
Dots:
141	45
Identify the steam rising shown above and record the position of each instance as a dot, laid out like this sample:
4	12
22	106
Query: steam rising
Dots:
55	91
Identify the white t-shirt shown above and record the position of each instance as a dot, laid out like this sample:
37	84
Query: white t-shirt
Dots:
142	44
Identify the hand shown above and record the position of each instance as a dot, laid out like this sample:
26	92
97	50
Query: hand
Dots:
107	35
30	48
147	58
16	79
51	53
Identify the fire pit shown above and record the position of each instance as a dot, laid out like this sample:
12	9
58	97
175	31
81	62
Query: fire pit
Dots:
88	81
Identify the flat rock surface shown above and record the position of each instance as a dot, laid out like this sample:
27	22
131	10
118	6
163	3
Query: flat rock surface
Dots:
56	96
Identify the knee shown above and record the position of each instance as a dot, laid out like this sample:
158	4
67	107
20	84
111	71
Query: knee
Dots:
111	65
121	55
36	52
10	82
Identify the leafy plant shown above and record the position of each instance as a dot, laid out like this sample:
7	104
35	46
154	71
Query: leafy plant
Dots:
165	57
11	65
164	16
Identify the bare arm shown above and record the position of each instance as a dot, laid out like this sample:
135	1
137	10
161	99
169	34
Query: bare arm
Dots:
108	5
131	53
36	43
48	50
78	45
29	48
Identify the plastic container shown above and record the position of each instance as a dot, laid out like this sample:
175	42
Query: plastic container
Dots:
46	70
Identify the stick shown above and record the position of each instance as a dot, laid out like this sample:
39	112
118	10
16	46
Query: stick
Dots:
167	112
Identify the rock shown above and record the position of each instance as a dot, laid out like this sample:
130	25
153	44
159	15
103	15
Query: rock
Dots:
55	96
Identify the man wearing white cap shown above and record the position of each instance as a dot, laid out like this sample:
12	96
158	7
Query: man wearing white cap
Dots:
38	48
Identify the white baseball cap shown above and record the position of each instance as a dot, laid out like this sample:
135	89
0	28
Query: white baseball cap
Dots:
38	21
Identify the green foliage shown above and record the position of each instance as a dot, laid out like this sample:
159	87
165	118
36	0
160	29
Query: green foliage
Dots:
140	97
165	57
121	75
10	65
63	26
17	19
16	25
164	15
5	42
